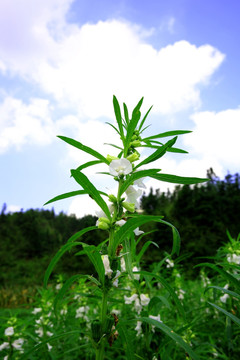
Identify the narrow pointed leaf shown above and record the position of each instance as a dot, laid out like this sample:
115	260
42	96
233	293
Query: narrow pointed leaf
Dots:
91	190
127	340
158	153
81	232
226	291
144	119
126	113
144	248
132	126
118	115
231	316
222	272
56	258
135	176
84	148
169	332
178	179
168	133
66	195
168	288
95	257
90	163
114	127
66	286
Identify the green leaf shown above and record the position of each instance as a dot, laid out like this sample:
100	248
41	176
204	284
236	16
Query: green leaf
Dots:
156	300
91	190
231	316
90	163
114	127
126	113
56	258
168	133
144	248
84	148
139	220
135	176
176	150
222	272
96	259
67	284
128	257
80	233
127	341
118	115
231	293
117	147
158	153
49	340
178	179
66	195
144	118
167	287
132	126
169	332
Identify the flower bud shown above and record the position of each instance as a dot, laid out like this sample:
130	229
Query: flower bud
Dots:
133	157
111	158
135	143
103	219
102	225
112	198
128	206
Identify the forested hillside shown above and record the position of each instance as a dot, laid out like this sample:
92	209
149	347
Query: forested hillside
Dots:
201	213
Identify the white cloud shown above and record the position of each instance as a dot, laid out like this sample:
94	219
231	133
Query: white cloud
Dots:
216	135
83	66
24	123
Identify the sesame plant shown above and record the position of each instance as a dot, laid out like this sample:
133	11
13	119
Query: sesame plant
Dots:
119	280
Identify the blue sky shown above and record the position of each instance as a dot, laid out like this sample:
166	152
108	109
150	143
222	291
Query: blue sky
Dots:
62	60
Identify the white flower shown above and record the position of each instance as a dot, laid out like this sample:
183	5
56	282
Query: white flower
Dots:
5	357
36	310
170	263
129	300
123	265
233	258
49	333
133	195
138	232
224	298
144	300
39	332
120	167
121	222
9	331
81	311
138	328
5	345
63	312
137	276
140	183
49	347
101	213
58	286
137	306
17	344
181	294
116	278
106	264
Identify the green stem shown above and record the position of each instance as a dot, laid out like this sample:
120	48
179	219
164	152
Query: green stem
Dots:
100	350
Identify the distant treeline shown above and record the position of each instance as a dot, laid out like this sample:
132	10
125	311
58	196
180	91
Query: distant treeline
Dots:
201	213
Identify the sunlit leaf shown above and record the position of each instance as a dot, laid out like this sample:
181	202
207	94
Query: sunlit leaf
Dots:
118	115
178	179
84	148
135	176
91	190
168	133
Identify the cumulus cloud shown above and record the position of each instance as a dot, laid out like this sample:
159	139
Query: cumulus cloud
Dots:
22	123
82	66
216	135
